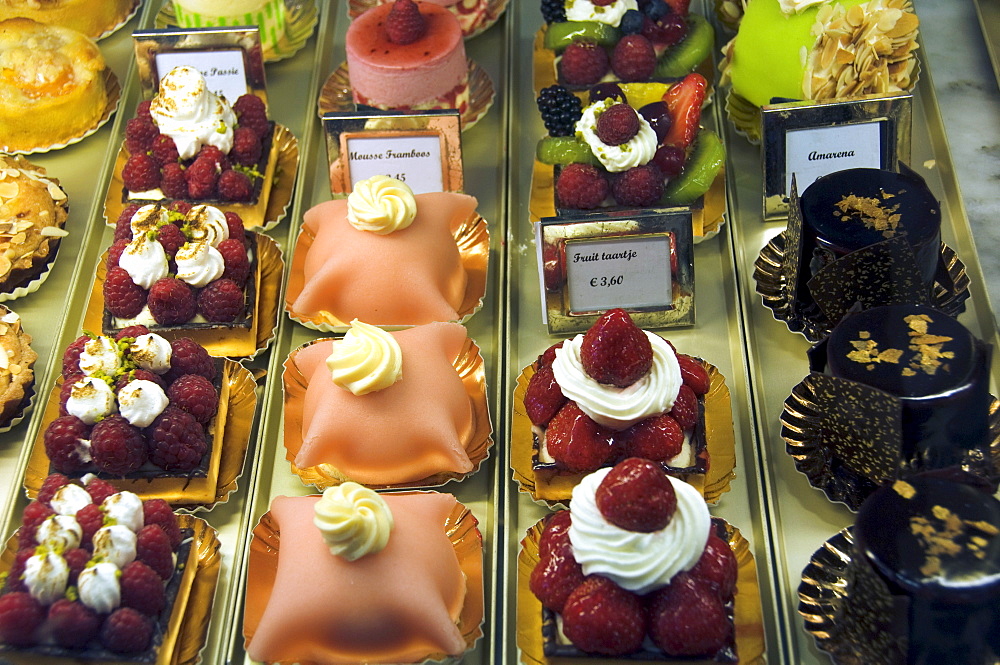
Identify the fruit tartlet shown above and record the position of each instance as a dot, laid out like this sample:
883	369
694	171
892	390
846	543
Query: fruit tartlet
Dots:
636	567
98	574
189	144
17	376
631	146
355	576
624	40
180	267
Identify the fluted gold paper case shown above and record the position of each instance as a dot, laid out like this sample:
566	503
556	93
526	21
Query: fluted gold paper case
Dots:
221	342
275	194
748	616
183	638
230	436
471	370
557	489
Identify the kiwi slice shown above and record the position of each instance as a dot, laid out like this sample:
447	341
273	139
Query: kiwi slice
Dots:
564	150
560	35
685	56
702	165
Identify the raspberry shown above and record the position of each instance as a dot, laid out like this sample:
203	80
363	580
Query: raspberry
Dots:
236	228
555	535
76	558
173	180
189	357
33	515
235	186
693	374
71	356
176	440
123	297
14	575
141	173
639	186
90	518
583	63
247	147
123	225
164	150
202	177
50	486
221	301
158	512
633	58
63	445
405	24
636	495
560	110
171	302
554	11
142	108
131	332
601	617
214	155
180	207
617	125
126	631
140	132
142	589
139	374
543	398
687	618
196	395
657	438
234	253
171	238
73	624
115	252
99	489
20	616
717	567
576	442
615	351
581	187
252	112
117	447
686	409
554	578
66	390
152	547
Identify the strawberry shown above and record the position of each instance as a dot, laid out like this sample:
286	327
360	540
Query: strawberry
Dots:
636	495
615	351
687	618
405	24
554	579
657	438
679	6
717	567
547	357
601	617
693	374
555	536
686	409
553	260
684	99
543	399
578	443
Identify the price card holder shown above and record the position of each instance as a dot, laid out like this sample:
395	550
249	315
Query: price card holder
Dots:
423	149
641	261
811	139
230	59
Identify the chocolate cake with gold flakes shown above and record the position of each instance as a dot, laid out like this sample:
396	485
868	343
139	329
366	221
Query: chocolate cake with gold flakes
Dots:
924	579
913	392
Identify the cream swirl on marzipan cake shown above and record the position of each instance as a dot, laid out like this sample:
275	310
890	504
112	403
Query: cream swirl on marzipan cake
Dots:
365	360
637	561
381	205
354	520
610	406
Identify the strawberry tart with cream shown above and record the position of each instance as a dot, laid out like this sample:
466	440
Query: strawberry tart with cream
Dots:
408	55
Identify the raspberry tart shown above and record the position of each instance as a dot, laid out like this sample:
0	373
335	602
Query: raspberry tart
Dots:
588	41
619	391
96	574
636	568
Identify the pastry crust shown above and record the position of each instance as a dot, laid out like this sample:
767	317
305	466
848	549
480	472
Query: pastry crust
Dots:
16	361
91	17
52	84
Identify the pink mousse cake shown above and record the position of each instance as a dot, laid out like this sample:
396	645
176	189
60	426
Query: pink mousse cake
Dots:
430	72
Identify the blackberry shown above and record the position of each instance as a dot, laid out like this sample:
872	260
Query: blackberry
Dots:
553	11
560	110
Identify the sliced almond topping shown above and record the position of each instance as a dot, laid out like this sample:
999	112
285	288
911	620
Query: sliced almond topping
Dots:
54	231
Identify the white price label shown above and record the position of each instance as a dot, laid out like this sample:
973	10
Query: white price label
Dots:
813	153
630	272
415	160
223	70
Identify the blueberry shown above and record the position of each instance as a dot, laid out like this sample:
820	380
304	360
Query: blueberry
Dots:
631	23
657	9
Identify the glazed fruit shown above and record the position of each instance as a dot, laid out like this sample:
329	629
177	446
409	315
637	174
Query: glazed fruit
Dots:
565	150
561	35
615	350
637	496
577	442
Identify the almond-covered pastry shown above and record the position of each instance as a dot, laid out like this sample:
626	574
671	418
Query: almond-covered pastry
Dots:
33	211
52	85
16	361
93	18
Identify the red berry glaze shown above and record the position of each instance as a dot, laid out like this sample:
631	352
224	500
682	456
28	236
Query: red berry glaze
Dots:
543	398
576	442
636	495
600	617
615	351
